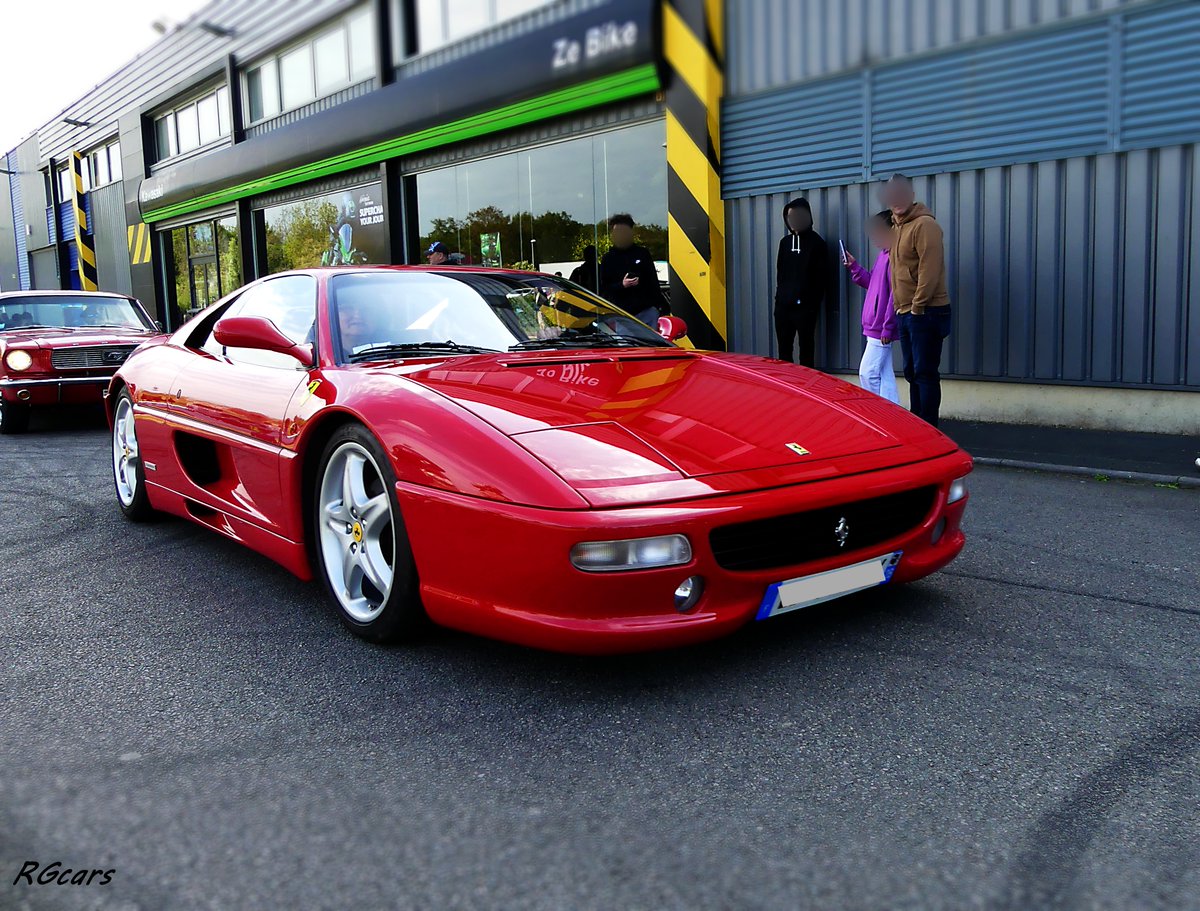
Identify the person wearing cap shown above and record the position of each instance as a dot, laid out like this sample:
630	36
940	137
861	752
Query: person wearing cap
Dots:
437	254
801	277
918	262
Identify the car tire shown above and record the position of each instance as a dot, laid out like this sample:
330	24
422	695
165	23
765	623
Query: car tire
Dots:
361	549
129	477
14	417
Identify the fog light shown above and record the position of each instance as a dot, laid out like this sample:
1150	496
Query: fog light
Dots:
23	395
958	490
938	531
19	360
688	593
639	553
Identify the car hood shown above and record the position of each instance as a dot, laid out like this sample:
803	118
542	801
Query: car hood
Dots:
70	338
610	417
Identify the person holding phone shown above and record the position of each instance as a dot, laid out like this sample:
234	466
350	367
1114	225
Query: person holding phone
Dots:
801	273
875	371
628	277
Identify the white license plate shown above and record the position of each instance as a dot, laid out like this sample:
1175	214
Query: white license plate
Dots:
806	591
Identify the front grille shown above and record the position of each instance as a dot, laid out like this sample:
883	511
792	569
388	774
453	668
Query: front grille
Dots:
804	536
90	358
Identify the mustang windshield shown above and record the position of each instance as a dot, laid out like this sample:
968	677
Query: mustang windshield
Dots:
64	311
390	313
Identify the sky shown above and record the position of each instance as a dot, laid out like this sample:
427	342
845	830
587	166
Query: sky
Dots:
97	37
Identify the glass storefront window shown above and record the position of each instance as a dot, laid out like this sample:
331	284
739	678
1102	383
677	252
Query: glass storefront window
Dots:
543	206
205	260
345	227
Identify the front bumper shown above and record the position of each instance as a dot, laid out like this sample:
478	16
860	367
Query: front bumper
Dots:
503	571
56	390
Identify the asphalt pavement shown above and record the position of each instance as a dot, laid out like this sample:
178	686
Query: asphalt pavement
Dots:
1019	731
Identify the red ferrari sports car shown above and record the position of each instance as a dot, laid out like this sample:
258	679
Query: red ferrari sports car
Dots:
62	347
507	454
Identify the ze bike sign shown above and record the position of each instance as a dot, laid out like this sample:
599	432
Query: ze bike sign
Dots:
598	41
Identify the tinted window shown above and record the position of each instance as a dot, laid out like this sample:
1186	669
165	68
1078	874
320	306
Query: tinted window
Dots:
290	302
372	310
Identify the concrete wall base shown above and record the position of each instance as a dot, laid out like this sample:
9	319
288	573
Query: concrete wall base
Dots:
1086	408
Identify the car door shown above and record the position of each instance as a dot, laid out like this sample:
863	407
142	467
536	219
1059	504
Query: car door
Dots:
230	404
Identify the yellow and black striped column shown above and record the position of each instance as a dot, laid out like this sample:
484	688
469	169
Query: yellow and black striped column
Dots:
694	51
84	243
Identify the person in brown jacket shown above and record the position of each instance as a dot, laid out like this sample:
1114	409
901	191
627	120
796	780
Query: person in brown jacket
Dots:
918	263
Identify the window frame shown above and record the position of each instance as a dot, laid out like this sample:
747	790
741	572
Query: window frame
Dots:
167	119
340	24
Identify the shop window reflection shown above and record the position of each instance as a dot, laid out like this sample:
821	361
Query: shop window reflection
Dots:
542	207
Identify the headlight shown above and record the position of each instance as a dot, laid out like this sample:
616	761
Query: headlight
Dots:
18	360
640	553
958	490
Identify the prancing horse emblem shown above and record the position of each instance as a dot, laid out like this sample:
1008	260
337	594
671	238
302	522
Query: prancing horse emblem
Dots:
841	531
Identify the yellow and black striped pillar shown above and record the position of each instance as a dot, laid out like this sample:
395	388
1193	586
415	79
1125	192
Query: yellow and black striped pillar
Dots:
694	51
84	244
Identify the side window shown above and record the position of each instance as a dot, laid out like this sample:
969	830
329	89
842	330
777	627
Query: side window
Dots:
290	302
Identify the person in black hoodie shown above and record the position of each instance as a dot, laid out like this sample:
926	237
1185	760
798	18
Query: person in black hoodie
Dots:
628	277
587	272
801	274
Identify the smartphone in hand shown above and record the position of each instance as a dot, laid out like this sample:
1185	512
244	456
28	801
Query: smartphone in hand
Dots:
842	246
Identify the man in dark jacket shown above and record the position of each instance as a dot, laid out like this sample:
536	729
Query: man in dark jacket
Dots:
801	274
628	277
586	273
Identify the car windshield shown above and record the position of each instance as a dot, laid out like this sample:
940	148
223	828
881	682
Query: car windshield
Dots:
65	311
382	314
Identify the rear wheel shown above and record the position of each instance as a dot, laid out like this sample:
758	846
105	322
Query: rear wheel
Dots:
14	417
361	547
128	474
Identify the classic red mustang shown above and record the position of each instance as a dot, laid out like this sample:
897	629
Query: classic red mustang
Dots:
62	347
504	453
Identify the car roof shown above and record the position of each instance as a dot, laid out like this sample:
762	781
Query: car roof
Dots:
418	267
16	294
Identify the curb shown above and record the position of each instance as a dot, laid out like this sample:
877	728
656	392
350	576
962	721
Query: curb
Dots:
1109	473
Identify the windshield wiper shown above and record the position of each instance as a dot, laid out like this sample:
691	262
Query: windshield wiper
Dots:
592	339
389	348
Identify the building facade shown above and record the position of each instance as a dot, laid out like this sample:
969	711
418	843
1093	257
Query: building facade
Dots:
1049	137
1055	145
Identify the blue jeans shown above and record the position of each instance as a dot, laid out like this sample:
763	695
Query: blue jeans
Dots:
921	344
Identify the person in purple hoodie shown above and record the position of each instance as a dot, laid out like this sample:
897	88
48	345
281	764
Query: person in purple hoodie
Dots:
878	315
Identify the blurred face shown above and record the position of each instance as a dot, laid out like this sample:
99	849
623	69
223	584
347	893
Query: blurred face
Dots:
799	219
622	236
898	196
436	258
356	329
880	234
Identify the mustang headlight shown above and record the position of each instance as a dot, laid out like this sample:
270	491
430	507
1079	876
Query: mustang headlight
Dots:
958	490
18	360
639	553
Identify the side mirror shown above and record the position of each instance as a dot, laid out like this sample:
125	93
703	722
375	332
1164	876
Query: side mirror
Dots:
672	328
261	334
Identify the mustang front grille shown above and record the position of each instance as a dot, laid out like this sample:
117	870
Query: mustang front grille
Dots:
90	358
804	536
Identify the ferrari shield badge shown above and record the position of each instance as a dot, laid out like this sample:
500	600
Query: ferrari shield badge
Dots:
798	449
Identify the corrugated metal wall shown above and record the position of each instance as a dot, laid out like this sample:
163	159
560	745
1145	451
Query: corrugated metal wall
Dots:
1075	264
107	220
18	224
1109	83
795	40
1083	271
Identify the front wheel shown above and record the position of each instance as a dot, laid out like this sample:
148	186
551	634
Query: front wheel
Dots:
14	417
128	474
361	548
